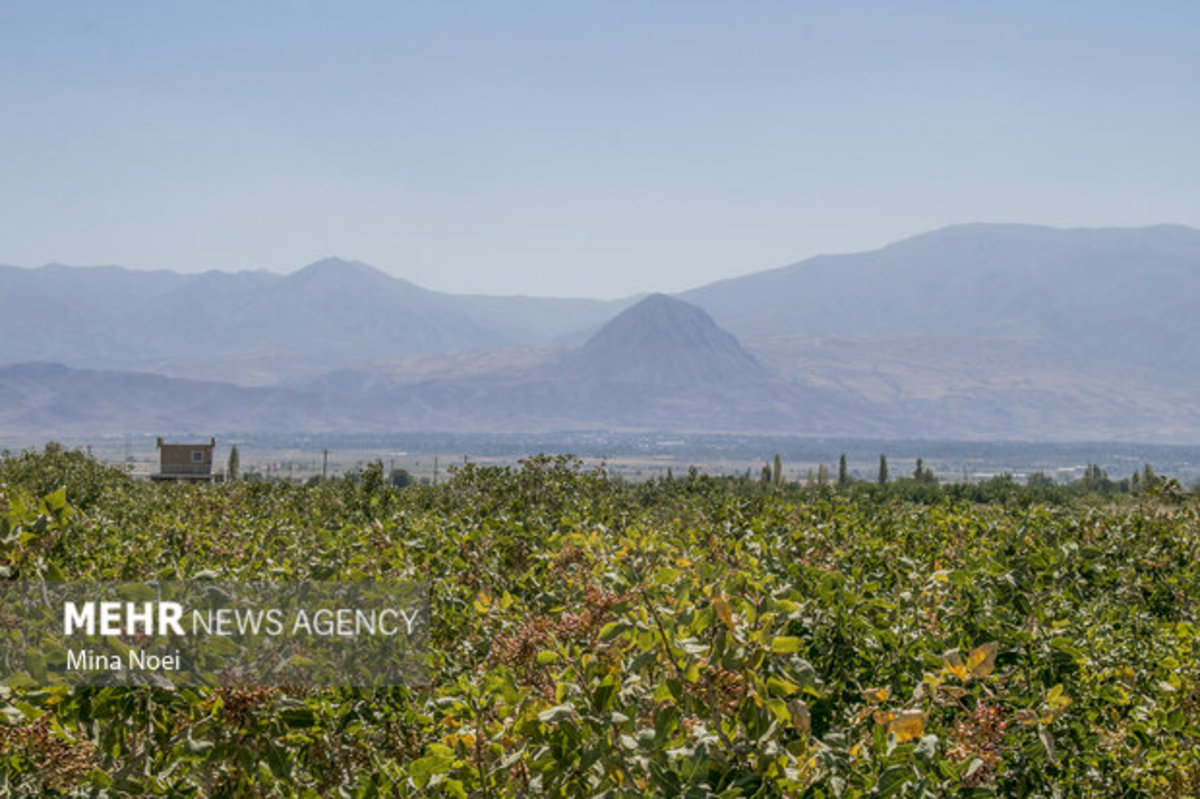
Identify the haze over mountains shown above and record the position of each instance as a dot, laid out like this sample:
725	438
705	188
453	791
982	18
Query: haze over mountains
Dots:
975	331
258	327
1126	294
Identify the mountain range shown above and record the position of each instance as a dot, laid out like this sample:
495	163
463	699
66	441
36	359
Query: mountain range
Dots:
259	328
974	331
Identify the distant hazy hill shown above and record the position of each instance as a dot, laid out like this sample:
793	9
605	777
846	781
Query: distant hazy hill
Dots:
662	341
664	364
660	365
54	400
1128	294
257	327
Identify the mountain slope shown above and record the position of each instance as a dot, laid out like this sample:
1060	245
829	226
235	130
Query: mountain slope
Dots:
662	341
258	327
662	364
1125	294
53	400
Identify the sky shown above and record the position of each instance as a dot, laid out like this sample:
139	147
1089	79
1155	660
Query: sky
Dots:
579	149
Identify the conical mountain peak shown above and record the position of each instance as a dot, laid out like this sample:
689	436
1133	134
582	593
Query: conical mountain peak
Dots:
337	267
663	341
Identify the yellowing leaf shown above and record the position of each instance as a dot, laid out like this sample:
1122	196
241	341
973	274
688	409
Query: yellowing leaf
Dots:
454	739
779	710
982	660
883	716
879	694
1057	702
483	602
952	663
908	725
723	610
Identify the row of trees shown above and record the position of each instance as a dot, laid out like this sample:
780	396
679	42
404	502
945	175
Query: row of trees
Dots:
773	473
1095	479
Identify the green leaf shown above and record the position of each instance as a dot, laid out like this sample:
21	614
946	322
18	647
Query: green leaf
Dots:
298	717
665	576
892	781
612	630
1114	694
35	663
781	687
423	768
55	502
786	644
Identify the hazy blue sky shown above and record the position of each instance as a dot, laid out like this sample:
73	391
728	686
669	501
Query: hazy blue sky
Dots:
592	149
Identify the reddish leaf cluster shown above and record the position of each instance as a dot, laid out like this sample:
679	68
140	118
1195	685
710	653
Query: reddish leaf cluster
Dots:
57	762
979	736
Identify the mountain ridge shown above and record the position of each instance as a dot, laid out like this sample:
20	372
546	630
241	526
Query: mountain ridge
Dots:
1073	288
974	329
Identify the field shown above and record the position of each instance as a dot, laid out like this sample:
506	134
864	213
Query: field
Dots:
693	637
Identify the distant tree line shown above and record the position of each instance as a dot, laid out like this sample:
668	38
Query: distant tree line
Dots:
369	486
924	486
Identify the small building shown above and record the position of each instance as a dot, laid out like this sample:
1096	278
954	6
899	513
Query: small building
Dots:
186	461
